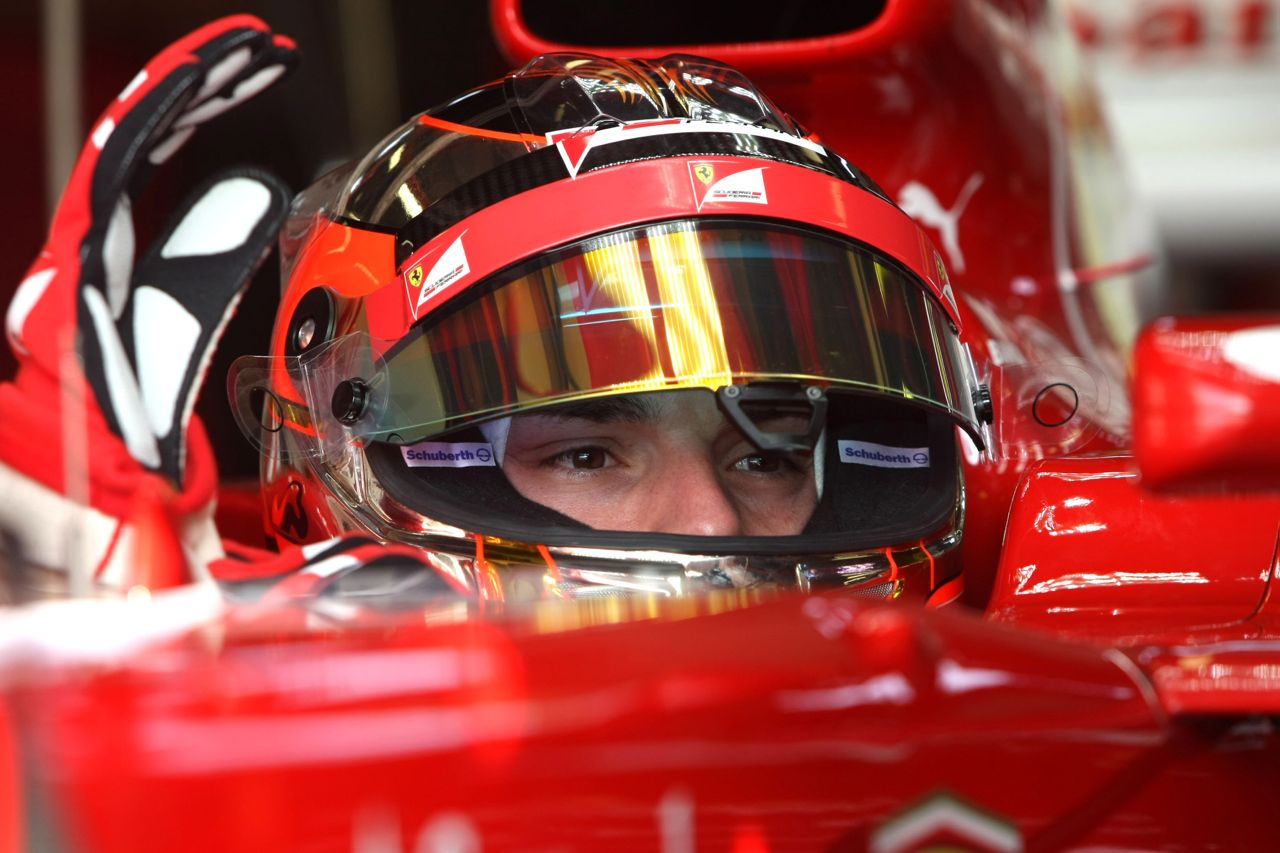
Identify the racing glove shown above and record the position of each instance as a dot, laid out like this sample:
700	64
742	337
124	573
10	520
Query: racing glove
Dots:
102	465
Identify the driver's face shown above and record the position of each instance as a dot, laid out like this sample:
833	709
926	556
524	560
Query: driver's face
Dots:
666	462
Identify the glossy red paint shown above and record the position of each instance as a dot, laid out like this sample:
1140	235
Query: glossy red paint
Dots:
1091	553
783	724
817	717
1207	403
11	801
1231	677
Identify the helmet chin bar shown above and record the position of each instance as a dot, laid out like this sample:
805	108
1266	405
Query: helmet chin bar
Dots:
771	399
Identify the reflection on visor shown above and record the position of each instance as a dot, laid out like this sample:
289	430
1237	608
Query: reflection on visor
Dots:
677	305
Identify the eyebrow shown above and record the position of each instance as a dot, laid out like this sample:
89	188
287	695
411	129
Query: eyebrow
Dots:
606	410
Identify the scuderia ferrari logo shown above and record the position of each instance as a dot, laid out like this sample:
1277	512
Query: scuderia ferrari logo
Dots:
727	181
450	267
946	281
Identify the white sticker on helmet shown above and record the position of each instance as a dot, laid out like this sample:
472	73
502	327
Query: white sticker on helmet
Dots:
746	187
449	267
882	455
448	454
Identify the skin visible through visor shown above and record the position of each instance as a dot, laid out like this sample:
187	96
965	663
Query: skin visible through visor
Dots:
659	463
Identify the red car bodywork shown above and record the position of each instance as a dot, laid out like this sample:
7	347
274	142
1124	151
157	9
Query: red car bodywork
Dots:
1120	692
786	725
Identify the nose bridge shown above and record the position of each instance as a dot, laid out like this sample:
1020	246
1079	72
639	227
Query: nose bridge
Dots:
692	499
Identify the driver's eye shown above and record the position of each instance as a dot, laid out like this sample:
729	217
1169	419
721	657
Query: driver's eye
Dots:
764	463
587	458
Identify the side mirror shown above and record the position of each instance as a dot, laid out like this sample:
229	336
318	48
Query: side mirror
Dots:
1206	403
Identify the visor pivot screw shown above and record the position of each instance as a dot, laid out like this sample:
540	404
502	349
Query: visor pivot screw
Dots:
813	392
306	333
982	406
350	399
732	391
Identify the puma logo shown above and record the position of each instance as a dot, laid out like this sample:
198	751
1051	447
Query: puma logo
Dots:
919	202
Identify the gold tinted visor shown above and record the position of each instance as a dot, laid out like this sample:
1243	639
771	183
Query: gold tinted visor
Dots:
687	304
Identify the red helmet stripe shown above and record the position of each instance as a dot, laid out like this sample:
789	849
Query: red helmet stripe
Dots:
650	191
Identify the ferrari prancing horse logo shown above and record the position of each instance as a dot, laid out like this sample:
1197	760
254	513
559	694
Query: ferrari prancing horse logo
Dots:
727	182
415	275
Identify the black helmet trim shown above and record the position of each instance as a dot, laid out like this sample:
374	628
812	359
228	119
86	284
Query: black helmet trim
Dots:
862	506
550	164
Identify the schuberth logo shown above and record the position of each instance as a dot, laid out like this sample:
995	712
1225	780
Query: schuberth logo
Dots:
882	455
448	454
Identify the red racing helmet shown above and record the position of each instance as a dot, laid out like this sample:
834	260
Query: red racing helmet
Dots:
587	230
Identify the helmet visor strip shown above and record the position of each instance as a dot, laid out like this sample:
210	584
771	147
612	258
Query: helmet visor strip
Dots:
685	304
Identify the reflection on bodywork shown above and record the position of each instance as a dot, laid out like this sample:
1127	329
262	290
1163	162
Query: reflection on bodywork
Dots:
890	688
1047	522
1092	580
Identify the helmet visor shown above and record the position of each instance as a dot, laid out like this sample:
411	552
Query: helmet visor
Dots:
685	304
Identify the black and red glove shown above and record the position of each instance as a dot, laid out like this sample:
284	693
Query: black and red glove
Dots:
97	439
